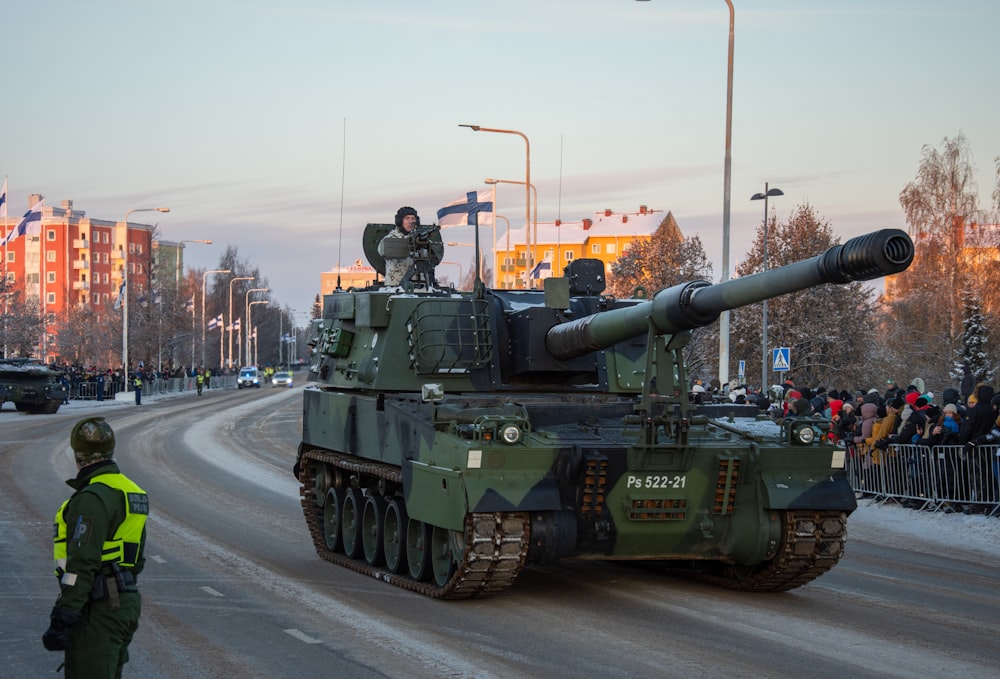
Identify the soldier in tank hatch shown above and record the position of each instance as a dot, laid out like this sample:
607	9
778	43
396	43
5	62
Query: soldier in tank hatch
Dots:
395	268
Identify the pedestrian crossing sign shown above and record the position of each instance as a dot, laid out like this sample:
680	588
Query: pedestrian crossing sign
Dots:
781	359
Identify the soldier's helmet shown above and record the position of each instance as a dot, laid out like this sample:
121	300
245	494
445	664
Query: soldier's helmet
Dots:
404	211
92	439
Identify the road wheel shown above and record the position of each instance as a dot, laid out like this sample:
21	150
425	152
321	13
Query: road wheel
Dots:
351	522
442	555
394	535
332	509
371	528
418	549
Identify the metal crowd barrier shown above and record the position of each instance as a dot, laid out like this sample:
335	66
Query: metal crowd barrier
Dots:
88	390
922	477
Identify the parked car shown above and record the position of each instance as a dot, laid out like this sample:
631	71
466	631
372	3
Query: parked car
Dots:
281	379
249	377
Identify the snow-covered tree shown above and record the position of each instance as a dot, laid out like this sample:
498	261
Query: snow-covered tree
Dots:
972	358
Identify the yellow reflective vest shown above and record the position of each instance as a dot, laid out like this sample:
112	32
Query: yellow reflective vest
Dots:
123	547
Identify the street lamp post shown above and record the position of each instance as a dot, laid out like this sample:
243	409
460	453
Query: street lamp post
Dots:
763	331
125	303
249	329
727	174
246	316
496	260
494	182
204	284
229	358
527	181
179	244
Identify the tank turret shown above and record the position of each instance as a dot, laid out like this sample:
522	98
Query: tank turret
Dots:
449	438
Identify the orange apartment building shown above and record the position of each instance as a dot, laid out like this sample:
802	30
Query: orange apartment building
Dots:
555	244
77	261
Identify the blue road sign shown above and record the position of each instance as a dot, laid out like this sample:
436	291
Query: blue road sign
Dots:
781	359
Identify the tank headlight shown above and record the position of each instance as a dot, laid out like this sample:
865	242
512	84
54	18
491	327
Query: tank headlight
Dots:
805	435
510	433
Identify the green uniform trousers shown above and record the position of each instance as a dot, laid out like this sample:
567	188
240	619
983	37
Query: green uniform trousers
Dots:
98	647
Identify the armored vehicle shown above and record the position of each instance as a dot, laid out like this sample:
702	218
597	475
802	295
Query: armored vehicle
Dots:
452	438
31	385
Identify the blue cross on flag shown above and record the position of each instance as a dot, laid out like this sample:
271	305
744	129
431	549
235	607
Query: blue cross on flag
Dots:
475	209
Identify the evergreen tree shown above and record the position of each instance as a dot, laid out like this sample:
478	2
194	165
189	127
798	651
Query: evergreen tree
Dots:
828	328
972	356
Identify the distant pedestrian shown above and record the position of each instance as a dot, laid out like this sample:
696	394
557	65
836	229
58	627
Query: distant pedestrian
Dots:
137	386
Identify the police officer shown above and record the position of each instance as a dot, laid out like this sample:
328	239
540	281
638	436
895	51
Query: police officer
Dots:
99	542
137	386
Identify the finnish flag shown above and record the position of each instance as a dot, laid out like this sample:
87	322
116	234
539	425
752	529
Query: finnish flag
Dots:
121	296
3	200
215	322
474	209
30	224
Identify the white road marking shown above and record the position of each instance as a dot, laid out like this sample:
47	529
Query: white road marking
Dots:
302	637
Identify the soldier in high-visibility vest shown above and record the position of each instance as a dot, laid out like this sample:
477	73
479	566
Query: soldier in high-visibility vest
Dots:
99	543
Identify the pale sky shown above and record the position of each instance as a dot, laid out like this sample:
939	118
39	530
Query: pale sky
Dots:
234	113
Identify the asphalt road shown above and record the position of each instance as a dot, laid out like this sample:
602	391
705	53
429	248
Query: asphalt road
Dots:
233	588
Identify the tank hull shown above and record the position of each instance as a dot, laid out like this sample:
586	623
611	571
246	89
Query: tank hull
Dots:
31	386
578	485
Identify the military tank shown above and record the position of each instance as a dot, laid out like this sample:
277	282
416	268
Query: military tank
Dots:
31	385
450	439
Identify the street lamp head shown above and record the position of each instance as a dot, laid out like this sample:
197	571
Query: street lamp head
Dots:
770	192
162	209
491	180
474	128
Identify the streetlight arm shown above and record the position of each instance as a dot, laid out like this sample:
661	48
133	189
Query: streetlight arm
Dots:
125	304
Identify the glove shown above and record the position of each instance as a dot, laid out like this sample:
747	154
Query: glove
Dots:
882	444
56	637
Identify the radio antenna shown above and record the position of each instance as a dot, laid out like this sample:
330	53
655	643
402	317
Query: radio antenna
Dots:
340	234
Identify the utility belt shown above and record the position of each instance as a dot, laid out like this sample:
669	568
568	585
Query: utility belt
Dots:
110	582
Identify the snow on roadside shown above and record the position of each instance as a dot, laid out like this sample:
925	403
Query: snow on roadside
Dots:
897	526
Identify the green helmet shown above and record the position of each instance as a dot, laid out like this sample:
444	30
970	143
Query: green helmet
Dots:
92	440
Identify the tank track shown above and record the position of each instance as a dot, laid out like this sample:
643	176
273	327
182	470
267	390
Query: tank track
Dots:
812	543
495	544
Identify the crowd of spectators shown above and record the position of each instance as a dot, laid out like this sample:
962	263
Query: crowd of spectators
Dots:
92	382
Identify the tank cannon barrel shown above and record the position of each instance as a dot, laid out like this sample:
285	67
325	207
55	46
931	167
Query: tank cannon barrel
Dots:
699	303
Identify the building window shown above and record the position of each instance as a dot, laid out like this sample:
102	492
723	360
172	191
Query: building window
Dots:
105	241
50	234
10	255
50	299
50	255
595	248
50	276
610	249
97	298
568	255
